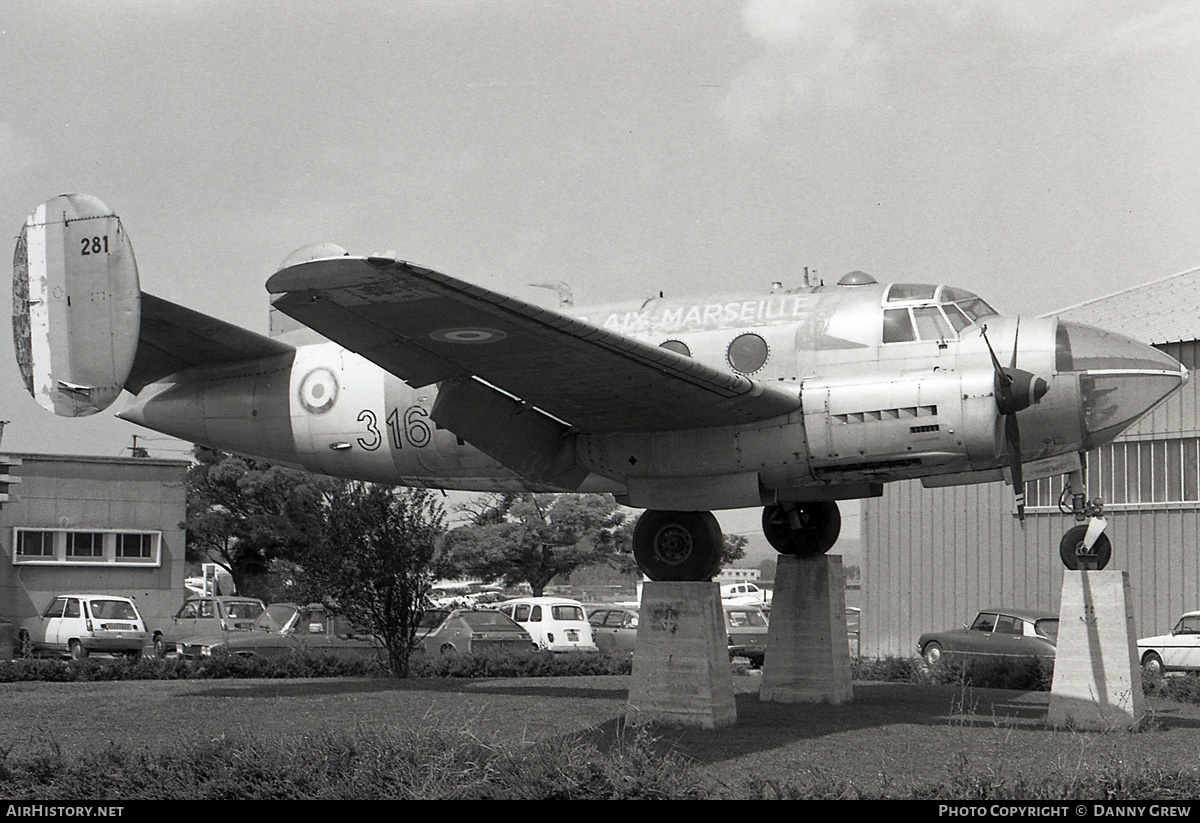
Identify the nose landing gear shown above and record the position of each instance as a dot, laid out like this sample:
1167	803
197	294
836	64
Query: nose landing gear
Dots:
1084	546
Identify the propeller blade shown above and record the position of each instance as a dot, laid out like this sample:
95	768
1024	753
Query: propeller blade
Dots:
1012	434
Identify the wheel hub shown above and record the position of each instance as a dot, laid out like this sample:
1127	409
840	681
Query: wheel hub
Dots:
673	544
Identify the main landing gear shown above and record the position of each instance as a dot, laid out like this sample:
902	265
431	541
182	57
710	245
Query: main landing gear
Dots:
687	546
1084	546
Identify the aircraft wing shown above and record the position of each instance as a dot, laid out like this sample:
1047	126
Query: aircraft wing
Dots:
174	338
426	327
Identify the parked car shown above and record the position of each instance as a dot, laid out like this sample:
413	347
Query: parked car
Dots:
470	631
285	628
994	633
207	617
745	594
746	628
556	624
1178	651
614	628
80	624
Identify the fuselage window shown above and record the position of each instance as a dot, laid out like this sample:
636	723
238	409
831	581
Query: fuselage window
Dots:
897	326
975	308
677	346
747	353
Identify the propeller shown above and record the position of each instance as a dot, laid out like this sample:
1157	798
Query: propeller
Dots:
1015	390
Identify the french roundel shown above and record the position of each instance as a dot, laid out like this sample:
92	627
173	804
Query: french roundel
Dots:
318	390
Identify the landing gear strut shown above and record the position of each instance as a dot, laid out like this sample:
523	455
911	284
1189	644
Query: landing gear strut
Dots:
678	546
1084	546
802	529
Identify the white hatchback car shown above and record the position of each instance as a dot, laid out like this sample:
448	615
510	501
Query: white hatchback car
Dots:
556	624
79	624
1178	651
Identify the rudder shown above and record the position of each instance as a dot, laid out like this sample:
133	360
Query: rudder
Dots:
76	305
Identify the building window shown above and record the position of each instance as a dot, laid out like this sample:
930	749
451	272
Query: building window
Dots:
86	547
1132	472
35	544
134	546
85	544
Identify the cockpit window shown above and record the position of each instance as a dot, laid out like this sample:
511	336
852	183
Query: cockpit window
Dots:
934	313
910	291
931	325
975	308
898	326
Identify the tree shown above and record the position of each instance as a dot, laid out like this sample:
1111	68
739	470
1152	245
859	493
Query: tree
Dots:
243	513
534	538
377	562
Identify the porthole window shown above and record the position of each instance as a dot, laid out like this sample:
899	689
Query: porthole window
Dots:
677	346
747	353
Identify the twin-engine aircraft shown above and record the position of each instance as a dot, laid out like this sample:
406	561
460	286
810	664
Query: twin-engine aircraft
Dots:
790	399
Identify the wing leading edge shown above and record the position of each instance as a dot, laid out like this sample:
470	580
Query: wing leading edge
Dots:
426	327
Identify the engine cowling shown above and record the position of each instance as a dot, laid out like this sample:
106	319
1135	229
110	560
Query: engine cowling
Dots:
76	305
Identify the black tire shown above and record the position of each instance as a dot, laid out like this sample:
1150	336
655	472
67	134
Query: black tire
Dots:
133	655
160	647
820	525
1152	665
932	653
678	546
1071	542
78	652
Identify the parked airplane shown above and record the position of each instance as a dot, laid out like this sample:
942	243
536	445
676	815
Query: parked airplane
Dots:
792	399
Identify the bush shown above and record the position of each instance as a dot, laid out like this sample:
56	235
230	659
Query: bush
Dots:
378	763
887	669
310	665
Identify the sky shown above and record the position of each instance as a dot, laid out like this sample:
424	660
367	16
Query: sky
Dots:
1037	153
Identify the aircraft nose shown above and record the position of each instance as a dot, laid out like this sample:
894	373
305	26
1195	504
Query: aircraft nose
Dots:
1120	379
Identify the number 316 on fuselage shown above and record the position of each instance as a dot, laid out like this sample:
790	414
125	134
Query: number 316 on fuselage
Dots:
791	399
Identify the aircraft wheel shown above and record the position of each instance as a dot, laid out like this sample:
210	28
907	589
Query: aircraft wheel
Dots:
677	546
1072	542
802	529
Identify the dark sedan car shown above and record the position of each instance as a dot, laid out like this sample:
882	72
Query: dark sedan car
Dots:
470	631
614	629
284	628
994	633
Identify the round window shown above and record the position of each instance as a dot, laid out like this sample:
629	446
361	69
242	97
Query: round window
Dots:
677	346
747	353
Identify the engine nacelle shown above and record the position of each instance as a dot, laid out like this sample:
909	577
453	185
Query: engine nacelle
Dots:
76	305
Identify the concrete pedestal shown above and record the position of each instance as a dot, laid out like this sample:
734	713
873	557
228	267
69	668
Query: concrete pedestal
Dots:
808	655
1097	679
681	672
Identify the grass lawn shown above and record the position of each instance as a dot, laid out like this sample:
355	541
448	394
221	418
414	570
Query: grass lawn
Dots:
891	738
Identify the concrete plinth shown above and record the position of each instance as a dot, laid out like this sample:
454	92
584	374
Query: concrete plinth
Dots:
808	655
681	672
1097	679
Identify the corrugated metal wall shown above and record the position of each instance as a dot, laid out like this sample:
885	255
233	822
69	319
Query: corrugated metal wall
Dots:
933	557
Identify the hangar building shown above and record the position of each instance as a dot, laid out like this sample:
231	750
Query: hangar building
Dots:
91	524
934	557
